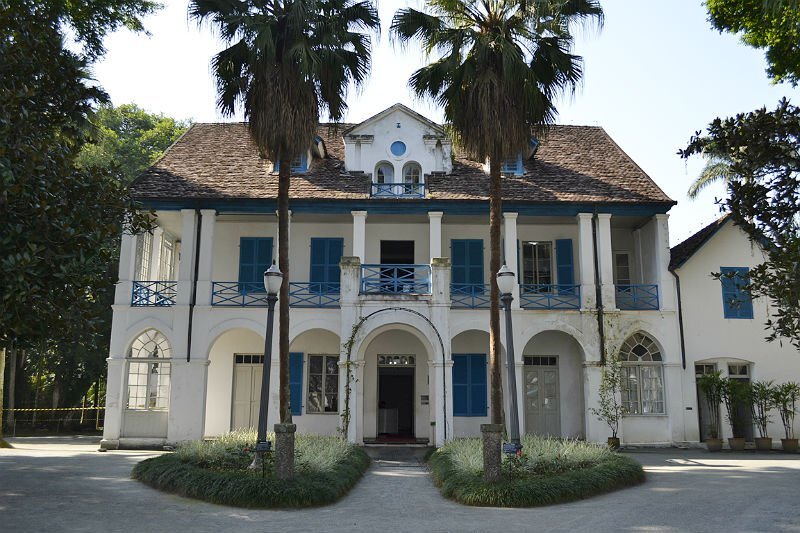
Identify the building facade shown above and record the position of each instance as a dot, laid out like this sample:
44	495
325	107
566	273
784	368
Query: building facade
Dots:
389	288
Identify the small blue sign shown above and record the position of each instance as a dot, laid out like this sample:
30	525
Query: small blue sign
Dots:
511	449
263	447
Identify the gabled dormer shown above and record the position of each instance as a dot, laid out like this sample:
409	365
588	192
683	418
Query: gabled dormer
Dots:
397	148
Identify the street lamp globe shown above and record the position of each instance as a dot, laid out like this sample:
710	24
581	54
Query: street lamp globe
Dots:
273	278
505	280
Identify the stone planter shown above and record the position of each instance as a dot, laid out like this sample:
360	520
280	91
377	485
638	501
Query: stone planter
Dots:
789	445
713	445
736	443
764	444
613	443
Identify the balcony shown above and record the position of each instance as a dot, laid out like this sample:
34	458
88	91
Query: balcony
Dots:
549	296
395	279
154	293
247	294
469	296
637	297
398	190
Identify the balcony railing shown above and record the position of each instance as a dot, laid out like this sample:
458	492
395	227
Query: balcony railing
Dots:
154	293
549	296
469	295
637	297
398	190
395	279
252	294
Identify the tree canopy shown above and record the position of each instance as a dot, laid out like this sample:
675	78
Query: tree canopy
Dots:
763	147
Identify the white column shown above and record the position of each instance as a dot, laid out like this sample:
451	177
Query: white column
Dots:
186	263
666	283
127	269
435	225
605	254
206	265
510	248
359	234
440	281
443	416
187	402
586	260
115	403
155	254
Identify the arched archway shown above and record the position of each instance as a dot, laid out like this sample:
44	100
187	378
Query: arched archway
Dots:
315	381
552	385
147	386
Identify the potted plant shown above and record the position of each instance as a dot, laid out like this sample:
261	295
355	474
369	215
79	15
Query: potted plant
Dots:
735	393
610	409
786	397
762	401
711	385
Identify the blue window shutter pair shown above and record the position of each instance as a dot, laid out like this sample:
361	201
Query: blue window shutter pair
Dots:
469	385
296	383
564	262
255	256
467	261
513	166
736	301
298	165
325	256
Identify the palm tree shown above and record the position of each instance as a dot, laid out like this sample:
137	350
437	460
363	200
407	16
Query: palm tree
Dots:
499	66
286	61
718	168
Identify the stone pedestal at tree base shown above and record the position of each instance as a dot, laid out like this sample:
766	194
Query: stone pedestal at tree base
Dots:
492	435
284	450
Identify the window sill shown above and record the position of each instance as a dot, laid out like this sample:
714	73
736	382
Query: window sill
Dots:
646	415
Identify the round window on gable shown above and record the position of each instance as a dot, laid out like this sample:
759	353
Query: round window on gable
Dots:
398	148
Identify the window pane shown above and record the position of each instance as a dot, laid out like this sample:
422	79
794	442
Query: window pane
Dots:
315	364
332	365
652	390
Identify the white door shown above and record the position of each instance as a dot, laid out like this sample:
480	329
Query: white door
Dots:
247	371
542	409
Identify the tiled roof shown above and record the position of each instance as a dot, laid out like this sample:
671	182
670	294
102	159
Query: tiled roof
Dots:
219	161
680	253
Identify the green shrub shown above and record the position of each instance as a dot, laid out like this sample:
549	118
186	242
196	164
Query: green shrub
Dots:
549	471
216	471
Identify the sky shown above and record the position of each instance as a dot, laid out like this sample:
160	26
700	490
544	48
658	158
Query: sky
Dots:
653	75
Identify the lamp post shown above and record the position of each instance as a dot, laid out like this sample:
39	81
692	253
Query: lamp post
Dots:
273	278
505	283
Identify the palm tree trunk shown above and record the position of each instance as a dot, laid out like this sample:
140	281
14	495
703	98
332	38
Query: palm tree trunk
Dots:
284	178
495	219
2	381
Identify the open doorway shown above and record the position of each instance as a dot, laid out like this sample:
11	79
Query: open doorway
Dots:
396	398
397	252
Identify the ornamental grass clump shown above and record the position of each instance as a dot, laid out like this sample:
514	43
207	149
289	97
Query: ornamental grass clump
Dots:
548	471
216	471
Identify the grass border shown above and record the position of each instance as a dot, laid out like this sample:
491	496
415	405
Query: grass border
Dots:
535	491
308	489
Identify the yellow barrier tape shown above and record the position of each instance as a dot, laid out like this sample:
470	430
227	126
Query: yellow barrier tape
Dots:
56	409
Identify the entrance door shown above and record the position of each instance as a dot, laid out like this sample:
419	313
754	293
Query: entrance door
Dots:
397	252
247	370
702	402
743	424
542	409
396	397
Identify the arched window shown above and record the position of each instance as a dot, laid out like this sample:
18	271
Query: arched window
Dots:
149	372
412	173
384	173
642	376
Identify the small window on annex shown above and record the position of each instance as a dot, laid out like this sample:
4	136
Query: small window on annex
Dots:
323	384
149	372
642	376
384	173
412	173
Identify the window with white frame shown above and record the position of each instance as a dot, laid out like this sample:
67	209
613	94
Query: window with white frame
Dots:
537	263
166	267
144	251
642	376
323	384
149	372
384	173
412	173
622	268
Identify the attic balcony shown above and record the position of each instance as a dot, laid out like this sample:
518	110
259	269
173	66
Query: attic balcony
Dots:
398	190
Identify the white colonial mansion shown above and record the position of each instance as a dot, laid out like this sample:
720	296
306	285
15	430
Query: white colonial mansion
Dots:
389	290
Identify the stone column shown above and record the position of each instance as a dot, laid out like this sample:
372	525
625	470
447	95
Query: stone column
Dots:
206	266
186	263
605	256
155	254
492	436
115	402
127	270
350	268
284	450
435	225
443	415
359	234
440	281
511	250
586	261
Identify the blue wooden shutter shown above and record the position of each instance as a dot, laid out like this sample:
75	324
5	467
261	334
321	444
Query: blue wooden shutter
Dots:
255	256
564	266
469	385
736	301
296	383
458	256
325	256
460	385
467	261
478	389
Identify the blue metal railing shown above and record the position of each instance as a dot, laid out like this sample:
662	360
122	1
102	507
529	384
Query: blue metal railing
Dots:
395	279
469	295
154	293
550	296
252	294
398	190
637	297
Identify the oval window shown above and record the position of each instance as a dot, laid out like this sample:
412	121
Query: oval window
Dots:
398	148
